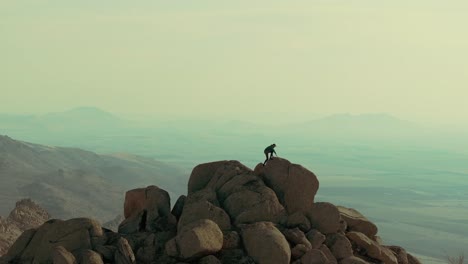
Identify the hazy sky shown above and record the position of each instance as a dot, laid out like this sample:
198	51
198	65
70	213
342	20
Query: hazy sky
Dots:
236	58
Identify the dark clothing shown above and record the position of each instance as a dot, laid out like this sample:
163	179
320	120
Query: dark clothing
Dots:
269	150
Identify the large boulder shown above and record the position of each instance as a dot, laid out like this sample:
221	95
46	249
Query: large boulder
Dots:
72	235
62	256
204	210
324	217
294	185
211	172
314	256
265	243
147	209
195	240
357	222
339	246
371	248
124	253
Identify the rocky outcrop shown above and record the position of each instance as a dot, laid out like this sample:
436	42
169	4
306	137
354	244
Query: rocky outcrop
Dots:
230	215
24	216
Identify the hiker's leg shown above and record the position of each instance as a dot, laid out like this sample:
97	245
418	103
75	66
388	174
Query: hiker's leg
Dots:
266	154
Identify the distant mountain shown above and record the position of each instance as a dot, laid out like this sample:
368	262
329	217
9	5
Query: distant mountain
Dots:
71	182
378	126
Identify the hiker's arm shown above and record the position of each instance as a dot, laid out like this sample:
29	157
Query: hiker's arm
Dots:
275	153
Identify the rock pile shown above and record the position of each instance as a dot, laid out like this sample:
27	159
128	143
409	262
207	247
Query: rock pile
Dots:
231	214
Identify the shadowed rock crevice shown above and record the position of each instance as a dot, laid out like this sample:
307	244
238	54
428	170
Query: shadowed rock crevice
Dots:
231	214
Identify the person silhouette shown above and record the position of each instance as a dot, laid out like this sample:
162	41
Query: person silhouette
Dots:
269	150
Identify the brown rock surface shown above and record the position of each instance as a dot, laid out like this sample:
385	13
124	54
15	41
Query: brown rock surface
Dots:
62	256
324	217
265	243
24	216
198	239
357	222
339	246
294	185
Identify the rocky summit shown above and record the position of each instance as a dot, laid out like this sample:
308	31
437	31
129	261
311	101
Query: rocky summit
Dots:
231	214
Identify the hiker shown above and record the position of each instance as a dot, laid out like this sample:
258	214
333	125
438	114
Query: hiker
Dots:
269	150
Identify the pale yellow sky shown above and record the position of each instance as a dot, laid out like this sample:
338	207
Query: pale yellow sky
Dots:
237	58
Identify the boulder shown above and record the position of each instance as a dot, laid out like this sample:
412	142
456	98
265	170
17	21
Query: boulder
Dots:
412	259
209	260
204	210
327	252
357	222
73	234
299	250
89	257
324	217
124	253
296	237
107	252
178	207
298	219
294	185
198	239
204	173
235	256
16	250
145	206
371	247
353	260
339	246
265	243
315	238
231	239
314	256
62	256
249	206
400	254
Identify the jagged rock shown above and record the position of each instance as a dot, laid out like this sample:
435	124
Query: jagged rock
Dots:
314	256
89	257
62	256
371	247
298	219
73	234
353	260
231	240
324	217
196	239
315	238
339	246
209	260
124	253
294	185
357	222
26	215
178	207
265	243
204	210
148	209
